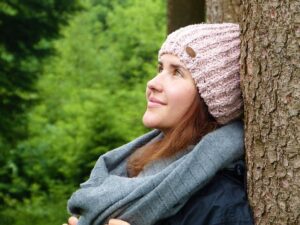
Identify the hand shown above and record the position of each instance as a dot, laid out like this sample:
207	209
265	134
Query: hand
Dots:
117	222
72	221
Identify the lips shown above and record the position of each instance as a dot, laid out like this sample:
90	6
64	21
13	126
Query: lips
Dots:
154	102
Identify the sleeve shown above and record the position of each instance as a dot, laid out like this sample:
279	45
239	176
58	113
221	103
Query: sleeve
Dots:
222	202
237	214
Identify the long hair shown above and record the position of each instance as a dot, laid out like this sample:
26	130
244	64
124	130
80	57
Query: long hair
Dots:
196	123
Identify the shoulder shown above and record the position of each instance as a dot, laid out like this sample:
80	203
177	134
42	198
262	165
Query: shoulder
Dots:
222	201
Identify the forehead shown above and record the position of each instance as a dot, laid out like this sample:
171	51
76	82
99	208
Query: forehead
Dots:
170	59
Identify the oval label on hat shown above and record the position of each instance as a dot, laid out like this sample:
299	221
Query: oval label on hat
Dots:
190	52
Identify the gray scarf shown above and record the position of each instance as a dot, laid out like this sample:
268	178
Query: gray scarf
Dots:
145	199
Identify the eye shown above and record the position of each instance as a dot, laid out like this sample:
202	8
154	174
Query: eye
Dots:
178	72
159	68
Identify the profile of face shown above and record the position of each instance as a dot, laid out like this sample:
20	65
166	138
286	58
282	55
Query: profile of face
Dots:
170	94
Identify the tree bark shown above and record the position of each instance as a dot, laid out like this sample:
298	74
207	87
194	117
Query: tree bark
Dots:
184	12
219	11
270	81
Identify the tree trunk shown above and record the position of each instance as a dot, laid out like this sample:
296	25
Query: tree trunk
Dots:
219	11
184	12
270	81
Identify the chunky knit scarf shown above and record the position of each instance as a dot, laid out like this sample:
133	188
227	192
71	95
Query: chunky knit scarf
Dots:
145	199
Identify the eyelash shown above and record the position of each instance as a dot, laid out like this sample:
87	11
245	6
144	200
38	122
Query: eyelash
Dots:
159	69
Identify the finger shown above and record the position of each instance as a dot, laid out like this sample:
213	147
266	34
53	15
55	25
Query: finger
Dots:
72	220
117	222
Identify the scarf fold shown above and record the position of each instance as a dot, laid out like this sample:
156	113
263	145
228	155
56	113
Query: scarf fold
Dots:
146	199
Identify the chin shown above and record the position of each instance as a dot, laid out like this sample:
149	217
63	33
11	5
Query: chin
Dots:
150	121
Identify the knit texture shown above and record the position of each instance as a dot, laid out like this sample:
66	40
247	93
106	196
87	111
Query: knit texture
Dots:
211	53
162	189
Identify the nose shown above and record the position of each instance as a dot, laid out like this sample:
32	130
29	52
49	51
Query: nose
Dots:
155	84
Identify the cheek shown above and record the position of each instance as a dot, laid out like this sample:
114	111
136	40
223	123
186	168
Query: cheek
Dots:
184	98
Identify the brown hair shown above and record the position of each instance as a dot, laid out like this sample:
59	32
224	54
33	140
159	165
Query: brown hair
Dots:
196	123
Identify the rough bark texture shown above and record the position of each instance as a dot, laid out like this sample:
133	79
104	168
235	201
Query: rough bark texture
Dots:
270	79
218	11
184	12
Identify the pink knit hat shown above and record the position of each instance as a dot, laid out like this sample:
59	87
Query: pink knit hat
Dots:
211	53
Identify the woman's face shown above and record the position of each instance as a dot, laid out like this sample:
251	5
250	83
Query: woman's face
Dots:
169	94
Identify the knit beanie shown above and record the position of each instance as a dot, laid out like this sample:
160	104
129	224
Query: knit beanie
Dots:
211	53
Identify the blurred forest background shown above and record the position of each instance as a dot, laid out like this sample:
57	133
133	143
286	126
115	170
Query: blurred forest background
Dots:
72	83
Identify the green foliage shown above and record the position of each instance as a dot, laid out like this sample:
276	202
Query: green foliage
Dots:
135	33
27	27
40	209
89	99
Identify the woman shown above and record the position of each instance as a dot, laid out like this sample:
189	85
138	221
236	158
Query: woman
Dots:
187	170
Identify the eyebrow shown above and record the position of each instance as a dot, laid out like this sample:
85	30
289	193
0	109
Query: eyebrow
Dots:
177	66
